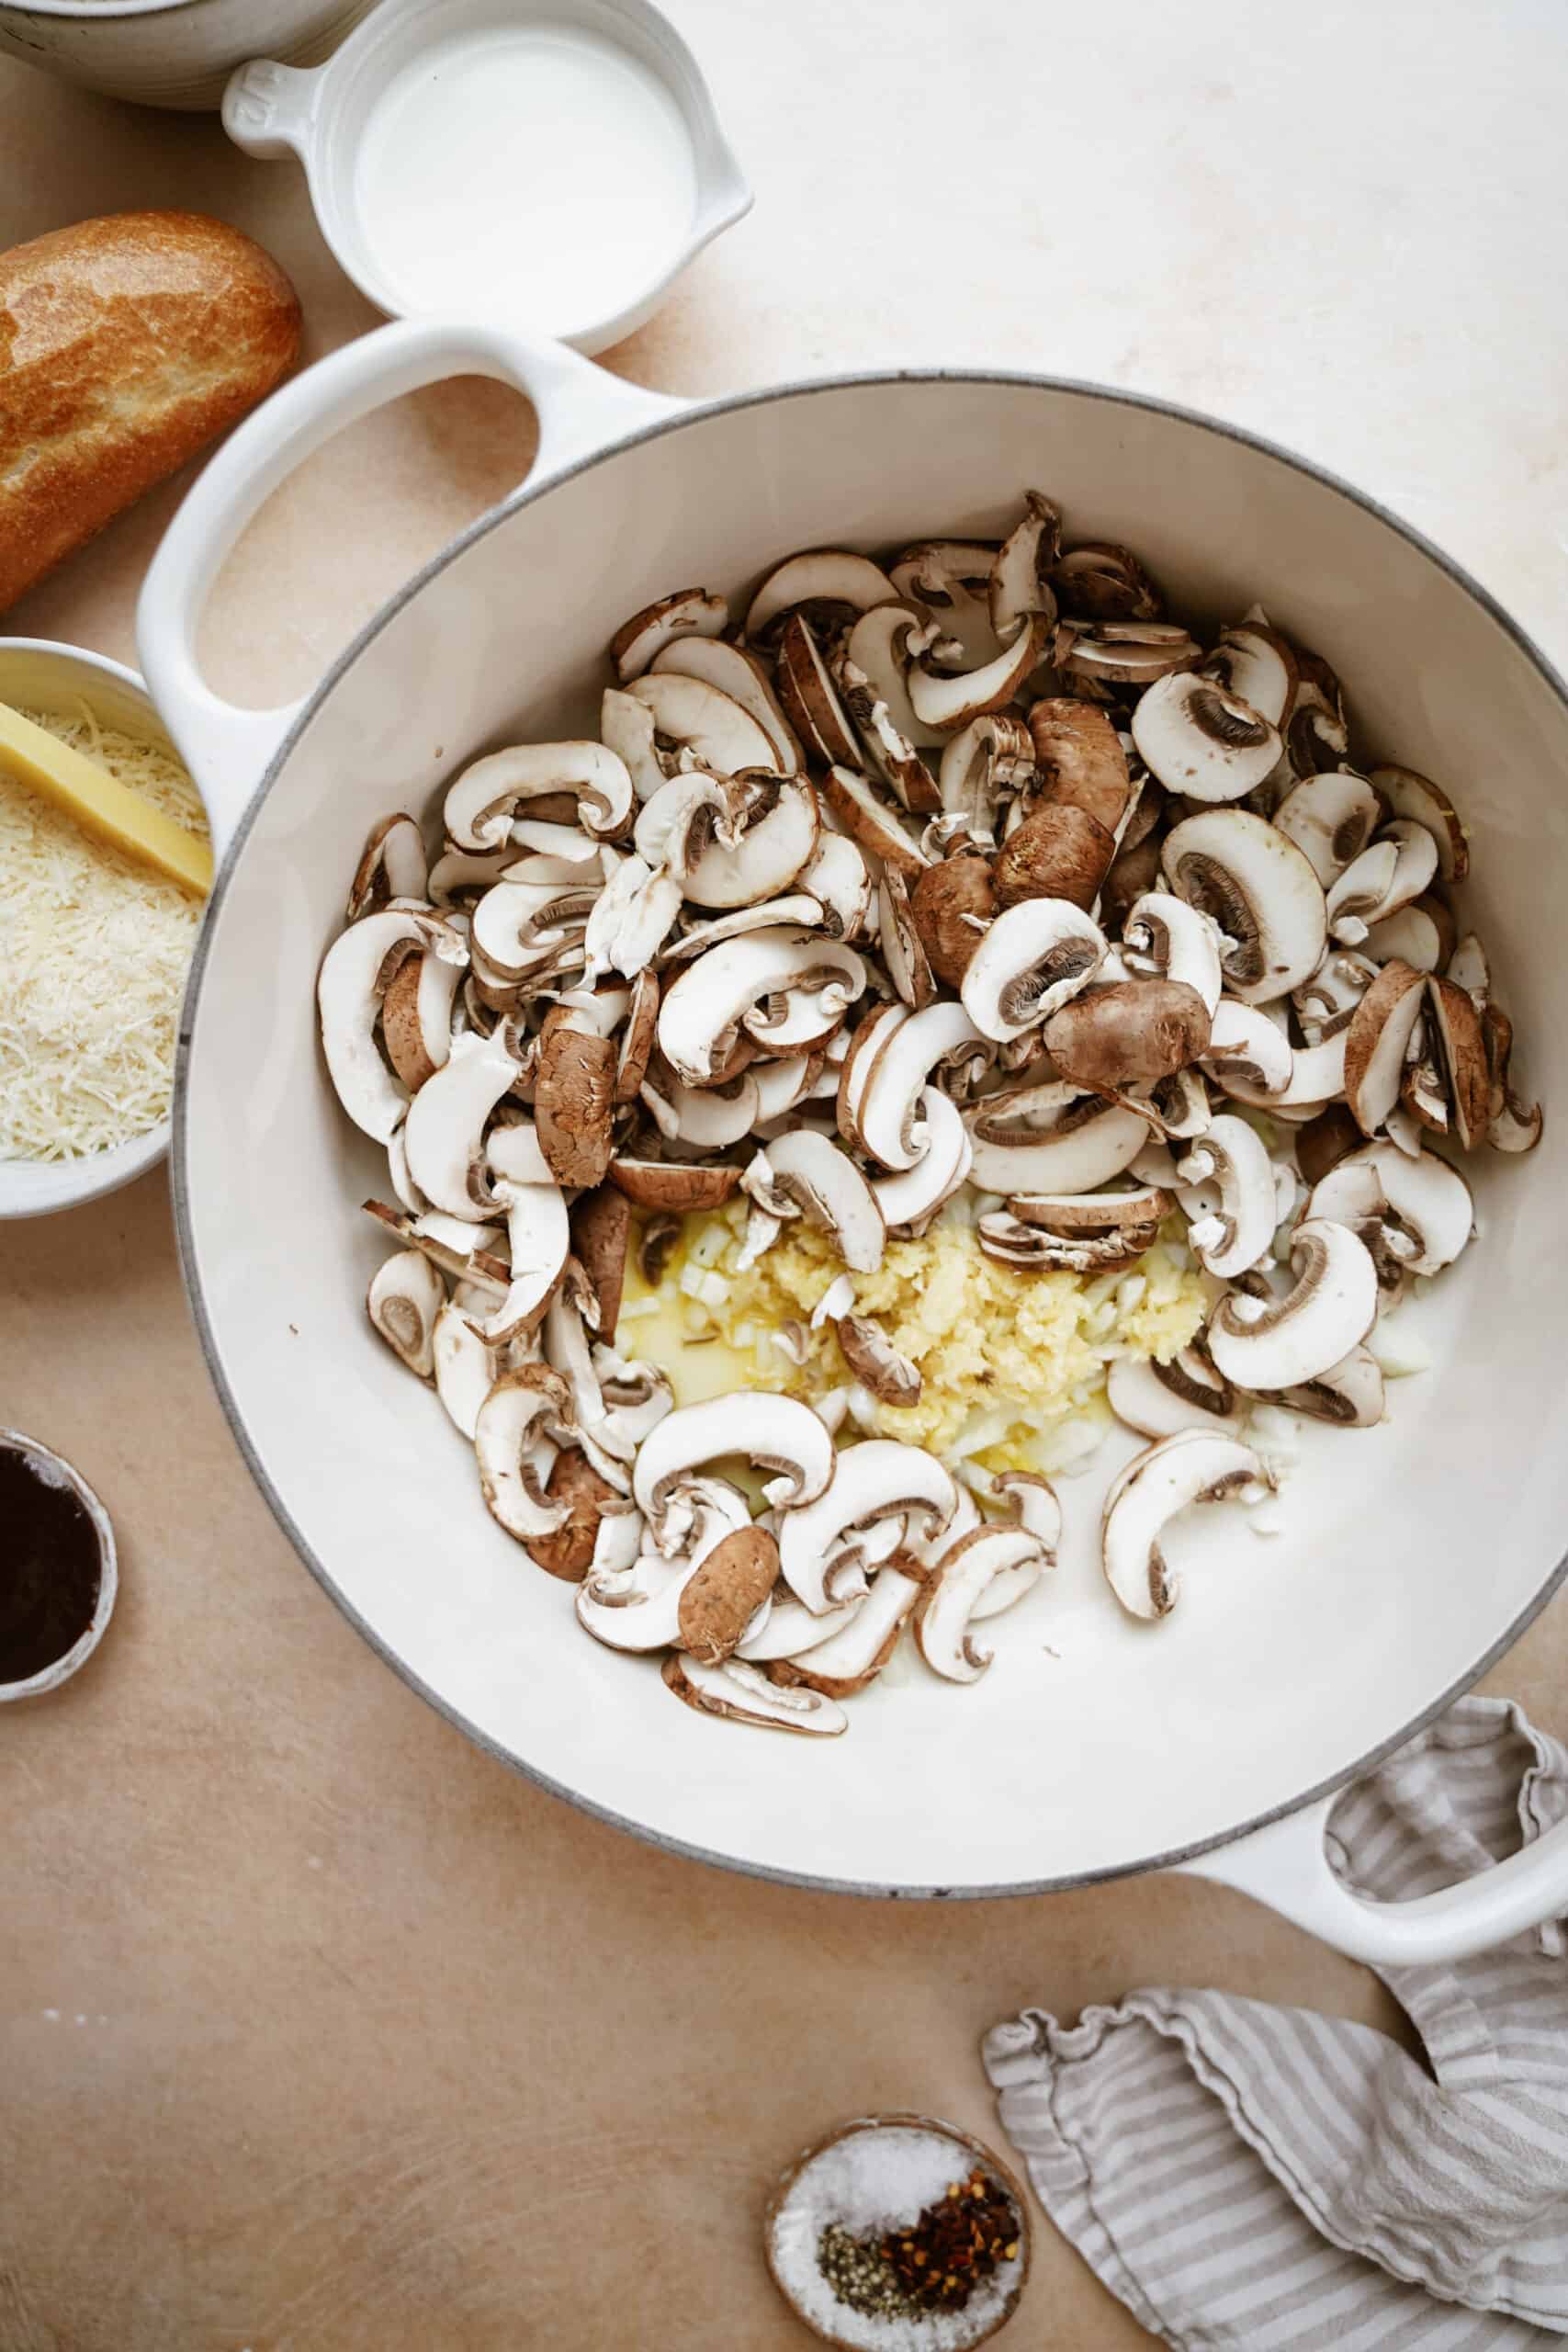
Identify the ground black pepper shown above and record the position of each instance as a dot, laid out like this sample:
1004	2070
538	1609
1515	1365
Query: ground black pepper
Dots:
935	2264
50	1568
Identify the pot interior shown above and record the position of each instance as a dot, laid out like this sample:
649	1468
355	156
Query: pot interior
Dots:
1094	1744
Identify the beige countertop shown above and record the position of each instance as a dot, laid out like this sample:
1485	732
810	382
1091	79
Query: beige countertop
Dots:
319	2030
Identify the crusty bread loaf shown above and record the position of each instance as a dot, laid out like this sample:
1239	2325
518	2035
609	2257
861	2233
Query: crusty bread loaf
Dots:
126	344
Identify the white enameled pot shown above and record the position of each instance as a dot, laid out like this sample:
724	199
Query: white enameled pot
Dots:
1412	1555
168	53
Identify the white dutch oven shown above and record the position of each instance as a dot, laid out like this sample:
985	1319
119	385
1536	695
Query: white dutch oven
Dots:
168	53
1413	1555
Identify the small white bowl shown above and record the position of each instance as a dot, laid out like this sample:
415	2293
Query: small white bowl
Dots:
59	1471
56	678
477	155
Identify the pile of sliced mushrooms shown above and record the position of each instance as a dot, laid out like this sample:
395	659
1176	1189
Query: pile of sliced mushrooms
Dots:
967	869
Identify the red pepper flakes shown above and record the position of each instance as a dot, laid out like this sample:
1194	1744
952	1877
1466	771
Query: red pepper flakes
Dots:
940	2259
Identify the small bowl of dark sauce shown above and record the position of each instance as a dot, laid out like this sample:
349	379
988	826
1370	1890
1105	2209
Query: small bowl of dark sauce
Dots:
58	1571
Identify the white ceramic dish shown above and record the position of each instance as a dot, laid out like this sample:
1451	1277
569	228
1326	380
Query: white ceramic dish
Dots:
1413	1555
569	160
50	677
58	1472
168	53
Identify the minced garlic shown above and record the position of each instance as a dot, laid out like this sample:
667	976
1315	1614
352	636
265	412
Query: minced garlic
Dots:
94	951
1009	1360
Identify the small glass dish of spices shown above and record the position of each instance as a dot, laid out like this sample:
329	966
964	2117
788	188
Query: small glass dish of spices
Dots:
57	1572
899	2233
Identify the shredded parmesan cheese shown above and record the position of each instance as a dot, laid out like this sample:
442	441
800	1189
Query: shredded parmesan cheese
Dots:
94	950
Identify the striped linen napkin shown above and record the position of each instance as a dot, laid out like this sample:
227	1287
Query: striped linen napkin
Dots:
1258	2178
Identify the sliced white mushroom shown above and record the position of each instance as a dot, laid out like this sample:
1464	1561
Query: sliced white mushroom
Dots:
689	611
1255	663
953	577
1329	1309
1423	1205
1421	934
464	1364
1262	894
538	1243
1034	957
1349	1394
909	1198
738	673
1331	818
1161	1399
946	1605
1021	587
479	805
704	1007
1202	742
880	649
1194	1466
744	1695
1324	1003
1101	656
836	876
1247	1055
405	1297
791	1630
521	1407
445	1124
706	721
823	1543
1164	936
1390	872
871	821
628	730
775	1432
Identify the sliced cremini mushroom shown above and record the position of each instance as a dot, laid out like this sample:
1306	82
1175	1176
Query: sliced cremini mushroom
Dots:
947	702
1021	585
1329	1309
1423	934
737	671
1331	818
871	822
519	928
1059	852
1249	1055
903	951
569	1553
947	1602
1162	1399
639	1608
1051	1137
1375	1042
910	1199
705	1006
743	1694
1235	1232
391	865
838	878
463	1251
632	916
464	1365
1425	804
810	697
1349	1394
1455	1028
628	730
405	1297
1127	1034
810	1173
877	1362
1080	760
1260	891
356	973
675	1186
723	1595
1254	662
1316	735
601	1222
1422	1205
520	1408
574	1096
1324	1003
1193	1467
1390	872
538	1242
952	904
953	577
830	585
1075	1233
637	1035
444	1134
884	1077
1165	936
987	760
881	646
704	721
777	1433
710	1118
1034	957
825	1545
417	1013
776	829
855	1653
1105	655
481	805
1100	581
689	611
1515	1126
464	873
1202	742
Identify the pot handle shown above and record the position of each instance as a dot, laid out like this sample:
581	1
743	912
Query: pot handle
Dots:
580	409
1285	1865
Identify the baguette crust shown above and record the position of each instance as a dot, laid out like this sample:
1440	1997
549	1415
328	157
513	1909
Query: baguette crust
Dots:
125	345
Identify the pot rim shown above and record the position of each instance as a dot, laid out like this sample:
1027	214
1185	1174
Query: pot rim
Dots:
525	495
